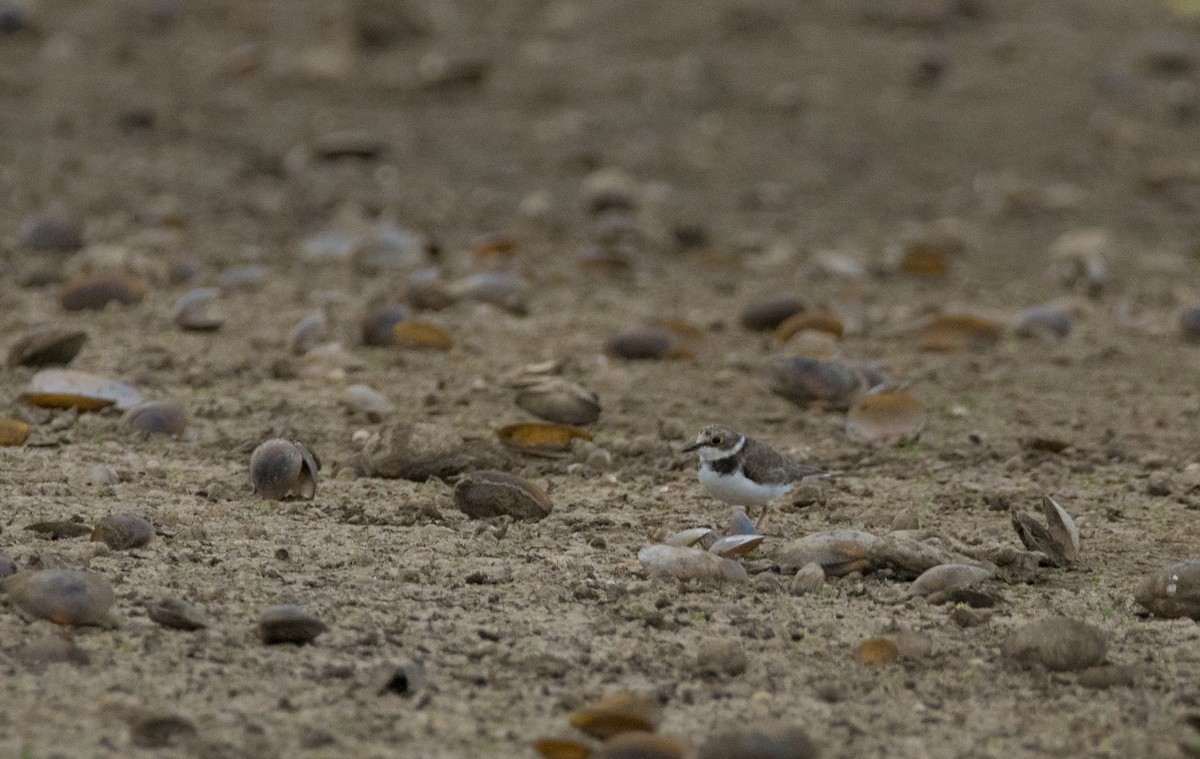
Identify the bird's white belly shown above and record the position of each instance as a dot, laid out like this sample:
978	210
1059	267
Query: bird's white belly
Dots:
739	490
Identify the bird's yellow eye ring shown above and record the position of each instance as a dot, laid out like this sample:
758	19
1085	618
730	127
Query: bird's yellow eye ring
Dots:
716	440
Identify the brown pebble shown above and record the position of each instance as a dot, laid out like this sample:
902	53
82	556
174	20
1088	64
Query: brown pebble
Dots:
289	624
53	648
13	432
1059	644
123	531
96	292
1109	676
720	658
157	418
62	596
808	382
617	713
762	742
648	343
160	730
414	452
46	346
484	495
560	401
175	614
768	314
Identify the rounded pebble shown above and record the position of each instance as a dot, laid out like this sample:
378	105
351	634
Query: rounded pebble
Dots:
483	495
123	531
289	624
62	596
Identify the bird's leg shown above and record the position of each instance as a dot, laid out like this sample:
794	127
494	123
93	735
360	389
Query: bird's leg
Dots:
760	524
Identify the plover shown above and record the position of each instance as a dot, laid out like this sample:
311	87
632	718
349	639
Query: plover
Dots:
741	471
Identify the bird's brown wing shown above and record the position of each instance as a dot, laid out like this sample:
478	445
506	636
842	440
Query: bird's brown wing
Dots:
768	465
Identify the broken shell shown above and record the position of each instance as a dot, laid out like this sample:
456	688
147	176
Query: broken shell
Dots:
1189	324
1045	322
1036	537
375	324
947	577
484	495
157	418
68	388
1062	529
176	614
807	382
94	293
687	538
560	401
410	334
368	400
289	624
13	432
1172	592
877	651
307	334
690	564
735	546
561	748
62	596
617	713
499	288
414	452
46	346
191	310
1059	644
740	524
279	468
642	746
122	532
886	419
811	321
541	439
647	343
950	333
769	314
838	552
766	742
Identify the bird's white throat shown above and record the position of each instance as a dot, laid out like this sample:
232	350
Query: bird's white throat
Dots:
709	453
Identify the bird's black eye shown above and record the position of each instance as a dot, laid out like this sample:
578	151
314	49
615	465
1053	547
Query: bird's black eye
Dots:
716	440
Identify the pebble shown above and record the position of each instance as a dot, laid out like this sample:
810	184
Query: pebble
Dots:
8	567
777	741
62	596
720	658
175	614
1059	644
122	532
163	417
486	495
1172	592
414	452
289	624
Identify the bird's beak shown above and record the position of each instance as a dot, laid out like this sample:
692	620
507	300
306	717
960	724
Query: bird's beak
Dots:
692	447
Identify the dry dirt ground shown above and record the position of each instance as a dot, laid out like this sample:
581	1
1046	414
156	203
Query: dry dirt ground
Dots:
771	133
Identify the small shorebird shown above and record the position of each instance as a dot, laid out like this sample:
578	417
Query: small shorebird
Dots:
741	471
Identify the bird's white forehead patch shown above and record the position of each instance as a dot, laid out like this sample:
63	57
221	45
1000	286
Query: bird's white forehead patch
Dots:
709	453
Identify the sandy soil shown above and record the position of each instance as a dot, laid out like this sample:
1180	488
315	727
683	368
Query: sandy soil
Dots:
771	134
